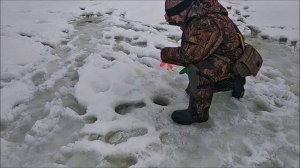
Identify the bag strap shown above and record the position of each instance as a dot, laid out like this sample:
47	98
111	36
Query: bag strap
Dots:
242	39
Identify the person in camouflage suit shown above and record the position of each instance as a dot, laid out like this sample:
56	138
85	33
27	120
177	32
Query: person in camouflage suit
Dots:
209	44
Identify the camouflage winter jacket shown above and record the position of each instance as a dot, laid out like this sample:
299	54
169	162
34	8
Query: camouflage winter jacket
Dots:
207	30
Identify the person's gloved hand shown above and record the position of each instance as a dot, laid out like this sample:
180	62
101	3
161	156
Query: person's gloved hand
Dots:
163	54
163	58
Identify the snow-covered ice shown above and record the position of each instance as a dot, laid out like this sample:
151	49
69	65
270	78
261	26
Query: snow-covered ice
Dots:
81	86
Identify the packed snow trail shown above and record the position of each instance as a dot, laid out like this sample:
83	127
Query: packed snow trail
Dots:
106	102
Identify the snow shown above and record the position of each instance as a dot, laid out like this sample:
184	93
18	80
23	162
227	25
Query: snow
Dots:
280	20
81	86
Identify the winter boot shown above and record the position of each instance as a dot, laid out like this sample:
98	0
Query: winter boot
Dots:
238	87
188	117
185	117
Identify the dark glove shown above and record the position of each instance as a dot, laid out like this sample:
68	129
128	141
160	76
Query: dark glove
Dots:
163	54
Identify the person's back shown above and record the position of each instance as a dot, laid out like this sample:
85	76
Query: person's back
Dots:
212	13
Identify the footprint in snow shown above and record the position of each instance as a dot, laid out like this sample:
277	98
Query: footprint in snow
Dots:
109	58
120	48
159	46
119	39
100	86
141	43
90	119
238	12
38	78
175	38
7	77
161	100
91	159
125	108
120	160
160	29
132	41
117	137
71	102
254	31
80	60
82	159
169	138
25	34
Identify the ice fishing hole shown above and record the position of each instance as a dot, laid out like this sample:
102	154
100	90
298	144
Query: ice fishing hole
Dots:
283	40
120	160
125	108
160	100
294	43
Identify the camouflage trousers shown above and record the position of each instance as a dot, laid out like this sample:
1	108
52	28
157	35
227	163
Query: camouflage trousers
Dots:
214	75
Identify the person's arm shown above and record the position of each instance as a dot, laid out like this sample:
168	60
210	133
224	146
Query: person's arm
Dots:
199	43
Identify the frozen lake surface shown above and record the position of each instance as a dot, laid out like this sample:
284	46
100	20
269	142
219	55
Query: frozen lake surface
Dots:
81	86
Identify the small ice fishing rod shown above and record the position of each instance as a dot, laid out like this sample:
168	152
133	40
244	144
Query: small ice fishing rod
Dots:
170	67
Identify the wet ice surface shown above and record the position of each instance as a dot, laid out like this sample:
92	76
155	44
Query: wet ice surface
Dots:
106	103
